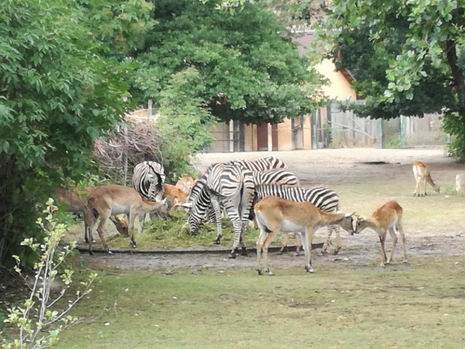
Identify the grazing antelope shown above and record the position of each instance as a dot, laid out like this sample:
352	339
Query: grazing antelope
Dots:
76	203
274	214
185	183
386	218
174	195
422	175
108	200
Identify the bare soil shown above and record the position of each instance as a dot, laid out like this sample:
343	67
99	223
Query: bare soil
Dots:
338	167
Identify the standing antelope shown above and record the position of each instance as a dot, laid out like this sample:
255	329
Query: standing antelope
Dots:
113	199
422	175
386	218
76	203
175	196
275	214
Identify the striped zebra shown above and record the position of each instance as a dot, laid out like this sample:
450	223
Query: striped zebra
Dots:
233	186
148	179
256	166
279	176
262	164
322	197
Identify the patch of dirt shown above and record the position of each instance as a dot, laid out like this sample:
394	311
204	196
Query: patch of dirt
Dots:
358	250
326	166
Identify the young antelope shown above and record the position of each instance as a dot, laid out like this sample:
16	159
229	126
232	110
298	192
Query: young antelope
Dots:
386	218
274	214
422	176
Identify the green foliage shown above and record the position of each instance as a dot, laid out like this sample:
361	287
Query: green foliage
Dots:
38	319
251	71
406	57
185	123
57	95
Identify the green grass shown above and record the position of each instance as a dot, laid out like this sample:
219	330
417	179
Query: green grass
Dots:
173	233
340	306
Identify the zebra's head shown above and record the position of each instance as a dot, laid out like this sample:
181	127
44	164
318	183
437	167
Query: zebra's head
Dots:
195	222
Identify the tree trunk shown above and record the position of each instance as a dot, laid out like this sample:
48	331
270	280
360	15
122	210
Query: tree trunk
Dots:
457	74
8	186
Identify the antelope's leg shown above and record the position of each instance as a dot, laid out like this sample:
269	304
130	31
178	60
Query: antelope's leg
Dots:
402	236
260	241
132	218
394	242
267	244
382	239
104	215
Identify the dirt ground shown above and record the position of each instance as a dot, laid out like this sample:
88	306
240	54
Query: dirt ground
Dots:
342	169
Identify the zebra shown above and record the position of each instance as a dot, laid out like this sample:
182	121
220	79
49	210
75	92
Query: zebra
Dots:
233	186
279	176
148	179
322	197
256	166
262	164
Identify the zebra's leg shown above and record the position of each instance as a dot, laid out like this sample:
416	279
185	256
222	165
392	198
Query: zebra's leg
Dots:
245	206
298	243
324	250
242	243
284	243
217	212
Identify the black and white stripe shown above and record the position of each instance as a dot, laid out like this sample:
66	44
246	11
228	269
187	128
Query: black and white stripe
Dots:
232	186
262	164
279	176
148	179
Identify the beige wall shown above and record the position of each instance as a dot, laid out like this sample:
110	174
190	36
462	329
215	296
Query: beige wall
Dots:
338	87
250	137
307	132
285	135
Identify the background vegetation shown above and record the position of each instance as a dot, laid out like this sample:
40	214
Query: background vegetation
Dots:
68	75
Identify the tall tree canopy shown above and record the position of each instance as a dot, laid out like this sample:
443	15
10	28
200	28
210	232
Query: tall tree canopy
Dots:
251	69
58	93
407	58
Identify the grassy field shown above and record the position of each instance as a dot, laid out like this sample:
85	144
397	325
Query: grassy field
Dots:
416	306
435	214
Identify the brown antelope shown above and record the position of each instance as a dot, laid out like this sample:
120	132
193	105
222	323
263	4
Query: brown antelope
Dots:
174	195
108	200
75	202
386	218
274	214
422	176
185	183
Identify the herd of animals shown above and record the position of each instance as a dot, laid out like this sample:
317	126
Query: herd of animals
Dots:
263	191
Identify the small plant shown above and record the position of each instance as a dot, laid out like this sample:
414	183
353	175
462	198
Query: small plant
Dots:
41	318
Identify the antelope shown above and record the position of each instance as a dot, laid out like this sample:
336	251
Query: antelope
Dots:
174	195
185	183
274	214
386	218
422	175
108	200
76	202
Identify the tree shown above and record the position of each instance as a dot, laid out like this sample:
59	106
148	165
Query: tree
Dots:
251	69
58	93
406	57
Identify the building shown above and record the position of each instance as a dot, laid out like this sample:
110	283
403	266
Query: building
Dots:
304	132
